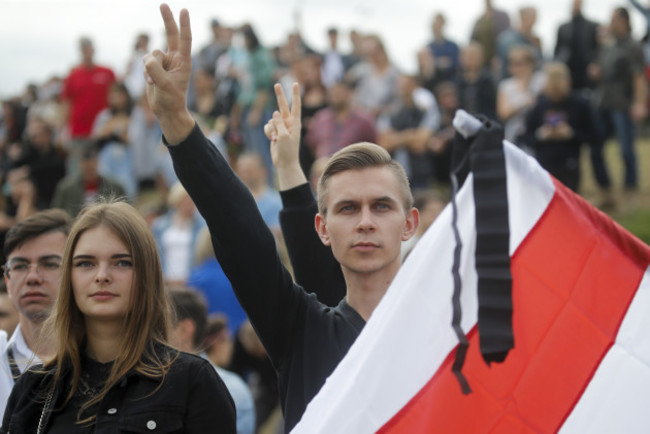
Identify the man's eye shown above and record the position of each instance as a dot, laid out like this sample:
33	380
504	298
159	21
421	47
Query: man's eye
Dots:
19	267
50	265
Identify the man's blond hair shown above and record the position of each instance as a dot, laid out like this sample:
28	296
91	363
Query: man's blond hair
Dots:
362	156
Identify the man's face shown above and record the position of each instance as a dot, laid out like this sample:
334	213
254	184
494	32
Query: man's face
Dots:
618	24
338	96
366	221
39	135
405	86
88	168
438	25
34	290
250	170
333	38
87	52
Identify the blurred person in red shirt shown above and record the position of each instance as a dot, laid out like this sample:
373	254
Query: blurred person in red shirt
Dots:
85	91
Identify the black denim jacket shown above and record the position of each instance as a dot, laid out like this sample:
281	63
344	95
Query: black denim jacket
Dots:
191	399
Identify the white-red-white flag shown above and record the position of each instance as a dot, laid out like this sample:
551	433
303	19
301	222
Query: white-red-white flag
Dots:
581	322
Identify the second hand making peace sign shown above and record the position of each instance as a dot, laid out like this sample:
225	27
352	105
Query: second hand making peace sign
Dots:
283	130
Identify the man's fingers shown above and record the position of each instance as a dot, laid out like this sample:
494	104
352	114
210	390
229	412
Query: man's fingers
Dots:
282	100
296	104
269	130
171	29
153	68
185	46
278	124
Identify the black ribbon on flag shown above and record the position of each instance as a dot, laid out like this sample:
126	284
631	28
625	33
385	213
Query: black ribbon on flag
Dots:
482	154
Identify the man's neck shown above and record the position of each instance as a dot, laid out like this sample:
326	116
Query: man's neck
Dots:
365	291
40	345
341	112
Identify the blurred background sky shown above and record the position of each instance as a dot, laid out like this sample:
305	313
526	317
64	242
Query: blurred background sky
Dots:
38	38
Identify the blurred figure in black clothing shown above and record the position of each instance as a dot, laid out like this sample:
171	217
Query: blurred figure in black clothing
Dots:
557	126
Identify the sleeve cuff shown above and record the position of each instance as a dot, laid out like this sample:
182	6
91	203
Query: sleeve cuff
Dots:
298	197
194	135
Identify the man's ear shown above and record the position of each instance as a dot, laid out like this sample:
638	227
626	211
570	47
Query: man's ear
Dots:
411	225
321	229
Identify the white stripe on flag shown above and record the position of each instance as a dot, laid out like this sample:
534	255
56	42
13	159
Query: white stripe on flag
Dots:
613	401
409	335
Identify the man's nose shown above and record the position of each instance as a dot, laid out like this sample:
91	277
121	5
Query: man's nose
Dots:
33	275
366	220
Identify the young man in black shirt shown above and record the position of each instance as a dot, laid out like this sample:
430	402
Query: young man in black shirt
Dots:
365	213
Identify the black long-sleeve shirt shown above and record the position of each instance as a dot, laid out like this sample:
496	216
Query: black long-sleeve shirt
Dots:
304	339
314	266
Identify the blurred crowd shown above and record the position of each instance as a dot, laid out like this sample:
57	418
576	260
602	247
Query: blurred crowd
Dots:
70	139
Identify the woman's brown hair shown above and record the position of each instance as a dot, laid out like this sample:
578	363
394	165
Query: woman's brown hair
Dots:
147	321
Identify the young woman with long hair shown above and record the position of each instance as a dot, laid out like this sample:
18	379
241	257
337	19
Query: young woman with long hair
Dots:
113	370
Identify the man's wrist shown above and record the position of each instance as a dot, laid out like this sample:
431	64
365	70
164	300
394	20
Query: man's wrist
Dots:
290	176
176	127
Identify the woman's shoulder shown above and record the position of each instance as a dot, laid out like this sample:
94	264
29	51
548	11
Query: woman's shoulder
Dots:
180	360
38	372
190	361
35	380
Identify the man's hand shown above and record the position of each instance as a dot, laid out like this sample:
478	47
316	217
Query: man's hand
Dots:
168	77
283	130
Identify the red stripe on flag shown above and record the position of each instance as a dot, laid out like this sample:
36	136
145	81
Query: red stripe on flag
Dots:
574	278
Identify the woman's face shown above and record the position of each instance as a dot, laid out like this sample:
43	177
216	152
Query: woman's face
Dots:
102	275
117	99
519	64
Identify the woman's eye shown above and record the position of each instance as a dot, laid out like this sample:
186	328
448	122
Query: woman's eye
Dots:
83	264
123	263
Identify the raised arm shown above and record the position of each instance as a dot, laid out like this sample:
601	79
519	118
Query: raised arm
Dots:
242	242
168	77
314	266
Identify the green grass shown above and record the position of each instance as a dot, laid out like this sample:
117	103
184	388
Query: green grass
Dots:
638	223
632	212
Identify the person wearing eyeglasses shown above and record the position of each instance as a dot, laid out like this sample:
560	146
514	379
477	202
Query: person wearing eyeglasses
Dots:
34	249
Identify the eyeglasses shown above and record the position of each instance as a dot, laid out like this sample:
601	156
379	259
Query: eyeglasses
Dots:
48	269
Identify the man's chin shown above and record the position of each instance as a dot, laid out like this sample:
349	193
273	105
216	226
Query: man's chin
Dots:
36	314
365	268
